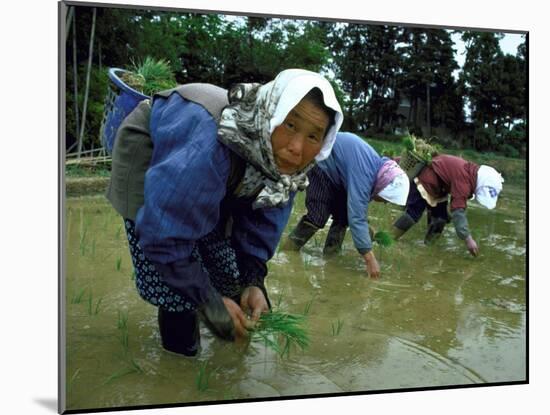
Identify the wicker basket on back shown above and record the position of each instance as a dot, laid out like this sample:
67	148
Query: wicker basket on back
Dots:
417	155
412	163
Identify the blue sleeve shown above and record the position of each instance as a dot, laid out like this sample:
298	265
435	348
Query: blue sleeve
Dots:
258	231
359	191
358	163
255	236
183	189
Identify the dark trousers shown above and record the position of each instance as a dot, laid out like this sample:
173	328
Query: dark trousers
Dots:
437	217
416	205
177	315
324	199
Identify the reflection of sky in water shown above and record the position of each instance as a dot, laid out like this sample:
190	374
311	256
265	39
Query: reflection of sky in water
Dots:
504	244
436	317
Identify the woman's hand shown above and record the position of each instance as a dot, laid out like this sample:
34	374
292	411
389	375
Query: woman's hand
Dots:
472	245
373	269
240	321
253	302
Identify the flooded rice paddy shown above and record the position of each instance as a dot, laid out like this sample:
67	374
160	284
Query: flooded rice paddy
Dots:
436	317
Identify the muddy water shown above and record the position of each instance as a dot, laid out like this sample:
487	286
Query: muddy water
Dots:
436	317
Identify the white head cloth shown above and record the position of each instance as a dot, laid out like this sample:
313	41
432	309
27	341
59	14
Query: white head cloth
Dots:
290	87
397	190
488	186
247	123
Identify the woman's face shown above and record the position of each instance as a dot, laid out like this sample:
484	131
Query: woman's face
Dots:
300	137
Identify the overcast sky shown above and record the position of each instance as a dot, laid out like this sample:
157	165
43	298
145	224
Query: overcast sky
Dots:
509	45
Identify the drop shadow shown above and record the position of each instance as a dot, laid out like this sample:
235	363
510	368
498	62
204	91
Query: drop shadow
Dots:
48	403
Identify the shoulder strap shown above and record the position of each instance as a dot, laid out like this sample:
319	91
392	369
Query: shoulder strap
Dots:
214	100
211	97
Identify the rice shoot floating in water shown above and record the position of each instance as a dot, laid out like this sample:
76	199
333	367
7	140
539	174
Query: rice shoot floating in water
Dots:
280	331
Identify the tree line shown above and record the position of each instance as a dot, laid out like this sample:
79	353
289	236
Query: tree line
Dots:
389	79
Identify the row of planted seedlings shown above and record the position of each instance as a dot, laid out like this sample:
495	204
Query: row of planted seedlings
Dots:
278	330
85	296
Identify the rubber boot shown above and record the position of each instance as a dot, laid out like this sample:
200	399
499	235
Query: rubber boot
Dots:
300	235
335	238
402	225
435	229
179	331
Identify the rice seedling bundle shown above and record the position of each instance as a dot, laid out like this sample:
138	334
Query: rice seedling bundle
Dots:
150	76
383	239
281	331
420	147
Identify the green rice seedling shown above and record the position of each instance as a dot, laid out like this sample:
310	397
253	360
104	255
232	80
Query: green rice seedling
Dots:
279	300
82	244
72	379
132	367
383	239
90	302
118	374
122	322
203	377
133	275
93	309
96	308
150	76
337	328
423	148
117	234
280	331
136	366
408	142
388	152
77	296
308	307
118	263
122	325
124	340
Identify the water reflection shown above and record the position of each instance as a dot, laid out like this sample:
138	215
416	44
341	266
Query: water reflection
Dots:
436	317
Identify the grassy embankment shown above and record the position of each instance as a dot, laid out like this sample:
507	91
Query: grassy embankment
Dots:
94	179
513	170
86	179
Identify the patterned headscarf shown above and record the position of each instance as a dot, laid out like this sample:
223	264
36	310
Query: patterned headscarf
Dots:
246	125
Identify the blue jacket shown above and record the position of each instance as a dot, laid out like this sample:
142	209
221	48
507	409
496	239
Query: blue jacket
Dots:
184	187
353	165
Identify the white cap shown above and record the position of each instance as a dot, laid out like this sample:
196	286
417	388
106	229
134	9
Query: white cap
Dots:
488	186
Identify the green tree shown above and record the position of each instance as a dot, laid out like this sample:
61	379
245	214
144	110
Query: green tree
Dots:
379	75
480	76
347	43
427	79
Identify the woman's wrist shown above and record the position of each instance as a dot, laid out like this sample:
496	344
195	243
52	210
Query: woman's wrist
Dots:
368	256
